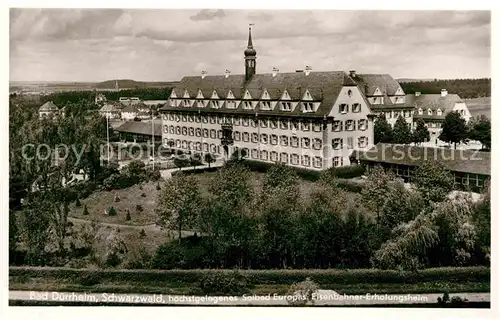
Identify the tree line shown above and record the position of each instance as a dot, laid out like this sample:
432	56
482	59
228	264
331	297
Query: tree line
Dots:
278	225
465	88
454	129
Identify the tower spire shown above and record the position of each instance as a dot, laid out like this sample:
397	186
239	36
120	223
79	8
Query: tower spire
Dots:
250	56
250	44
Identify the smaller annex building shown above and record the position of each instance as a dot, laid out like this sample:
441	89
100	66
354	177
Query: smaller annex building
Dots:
470	168
137	131
48	109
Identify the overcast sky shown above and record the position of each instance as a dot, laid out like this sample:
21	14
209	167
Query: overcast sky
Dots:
98	44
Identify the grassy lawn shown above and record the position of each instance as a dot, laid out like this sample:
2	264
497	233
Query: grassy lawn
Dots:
257	181
99	201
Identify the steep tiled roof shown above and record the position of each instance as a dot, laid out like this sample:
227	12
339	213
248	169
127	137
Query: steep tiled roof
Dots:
325	84
48	106
140	127
434	101
468	161
130	108
111	106
368	83
380	107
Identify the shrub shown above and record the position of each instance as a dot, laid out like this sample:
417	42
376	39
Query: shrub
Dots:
143	195
77	203
139	208
224	283
153	175
142	234
158	186
140	187
85	211
117	198
167	256
141	260
112	260
301	293
127	217
111	211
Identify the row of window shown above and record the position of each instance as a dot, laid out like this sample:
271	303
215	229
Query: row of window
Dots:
395	114
264	138
344	108
430	112
304	125
247	105
350	125
294	159
196	146
275	140
338	143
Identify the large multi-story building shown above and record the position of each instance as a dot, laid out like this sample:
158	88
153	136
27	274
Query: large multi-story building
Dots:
305	119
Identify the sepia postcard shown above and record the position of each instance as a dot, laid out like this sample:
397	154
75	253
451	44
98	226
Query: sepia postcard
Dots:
250	158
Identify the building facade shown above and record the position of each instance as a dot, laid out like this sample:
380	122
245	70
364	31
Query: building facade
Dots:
111	110
306	119
48	110
433	108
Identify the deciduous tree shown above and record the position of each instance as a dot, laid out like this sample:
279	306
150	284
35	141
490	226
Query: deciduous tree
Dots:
480	130
433	181
454	129
179	204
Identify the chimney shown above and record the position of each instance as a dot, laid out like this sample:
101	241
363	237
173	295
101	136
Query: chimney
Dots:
226	74
417	94
203	74
352	73
275	71
307	70
444	92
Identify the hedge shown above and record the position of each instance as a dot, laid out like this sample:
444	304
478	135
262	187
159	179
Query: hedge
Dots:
323	277
347	172
197	170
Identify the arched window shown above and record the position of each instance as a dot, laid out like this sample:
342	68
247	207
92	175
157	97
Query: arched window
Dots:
429	112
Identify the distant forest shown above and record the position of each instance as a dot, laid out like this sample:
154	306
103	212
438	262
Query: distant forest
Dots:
465	88
60	99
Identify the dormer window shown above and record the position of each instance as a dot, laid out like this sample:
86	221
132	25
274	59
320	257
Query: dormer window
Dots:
231	104
439	112
343	108
247	105
420	111
286	106
265	105
308	107
429	112
186	103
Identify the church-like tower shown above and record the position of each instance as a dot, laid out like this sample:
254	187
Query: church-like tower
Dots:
250	57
